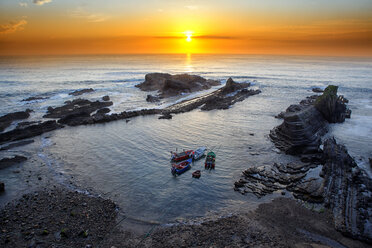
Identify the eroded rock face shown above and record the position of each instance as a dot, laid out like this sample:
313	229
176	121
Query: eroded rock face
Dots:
80	92
172	85
7	119
348	192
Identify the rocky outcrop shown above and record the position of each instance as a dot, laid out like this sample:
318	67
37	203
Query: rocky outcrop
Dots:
28	132
106	98
172	85
151	98
348	192
317	90
6	162
16	144
80	92
331	106
34	98
305	123
7	119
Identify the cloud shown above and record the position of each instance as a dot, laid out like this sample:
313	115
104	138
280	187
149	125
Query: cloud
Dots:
90	17
41	2
12	27
23	4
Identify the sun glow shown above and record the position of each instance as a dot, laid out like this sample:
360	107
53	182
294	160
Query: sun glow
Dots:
188	35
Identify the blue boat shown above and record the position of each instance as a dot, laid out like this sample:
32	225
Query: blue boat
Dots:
181	167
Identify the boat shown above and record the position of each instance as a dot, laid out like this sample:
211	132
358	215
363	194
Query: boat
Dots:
210	160
196	174
176	157
199	153
181	167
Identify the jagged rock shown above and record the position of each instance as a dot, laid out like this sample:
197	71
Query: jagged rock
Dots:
231	86
331	106
317	90
300	131
7	119
310	190
166	116
76	108
103	111
33	98
172	85
106	98
28	132
151	98
6	162
27	123
80	92
348	192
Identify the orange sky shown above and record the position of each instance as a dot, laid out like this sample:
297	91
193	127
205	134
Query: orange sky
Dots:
159	26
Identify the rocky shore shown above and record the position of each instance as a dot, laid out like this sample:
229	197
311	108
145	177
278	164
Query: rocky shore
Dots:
341	186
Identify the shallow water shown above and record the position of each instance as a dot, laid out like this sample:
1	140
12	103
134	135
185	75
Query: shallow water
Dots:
129	162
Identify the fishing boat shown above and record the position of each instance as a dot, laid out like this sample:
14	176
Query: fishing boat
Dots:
181	167
199	153
210	160
196	174
176	157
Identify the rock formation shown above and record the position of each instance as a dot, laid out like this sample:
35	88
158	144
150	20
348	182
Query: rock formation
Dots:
7	119
33	98
80	92
172	85
6	162
348	192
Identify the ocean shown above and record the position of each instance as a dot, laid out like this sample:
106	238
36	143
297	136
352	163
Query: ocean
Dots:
128	162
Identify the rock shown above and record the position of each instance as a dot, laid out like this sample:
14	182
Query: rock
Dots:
34	98
151	98
27	123
347	191
7	119
77	107
103	111
166	116
370	162
16	144
105	98
231	86
331	106
80	92
172	85
28	132
2	187
6	162
317	90
310	190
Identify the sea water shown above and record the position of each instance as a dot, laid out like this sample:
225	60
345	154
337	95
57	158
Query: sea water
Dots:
128	162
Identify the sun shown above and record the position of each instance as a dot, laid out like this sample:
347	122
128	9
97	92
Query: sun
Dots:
188	35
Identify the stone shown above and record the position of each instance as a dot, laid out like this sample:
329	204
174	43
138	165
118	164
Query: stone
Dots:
317	90
151	98
34	98
106	98
166	116
6	162
80	92
6	120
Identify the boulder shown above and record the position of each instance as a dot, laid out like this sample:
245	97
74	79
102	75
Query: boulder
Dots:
105	98
172	85
80	92
6	162
317	90
7	119
151	98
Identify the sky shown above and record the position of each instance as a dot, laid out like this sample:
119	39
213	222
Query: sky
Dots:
301	27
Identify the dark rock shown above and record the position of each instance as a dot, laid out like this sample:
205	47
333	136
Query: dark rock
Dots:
7	119
166	116
27	123
370	162
151	98
105	98
77	107
16	144
28	132
80	92
33	98
348	192
172	85
317	90
231	86
331	106
310	190
6	162
103	111
2	187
